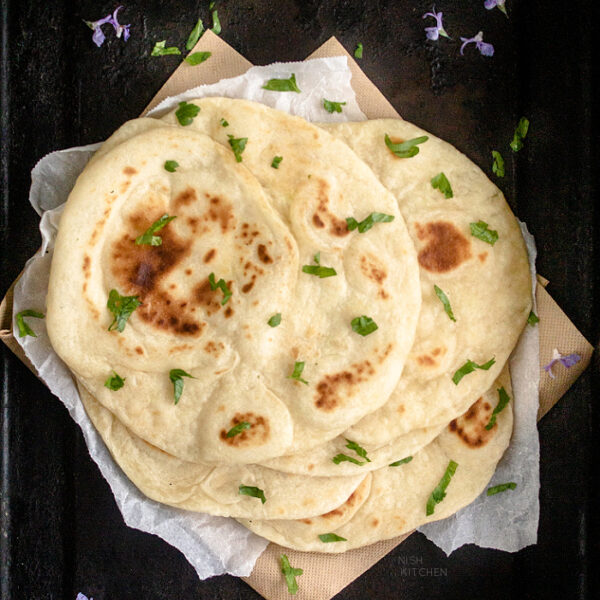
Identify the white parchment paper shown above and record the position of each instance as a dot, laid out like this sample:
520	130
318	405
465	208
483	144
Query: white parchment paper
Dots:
217	545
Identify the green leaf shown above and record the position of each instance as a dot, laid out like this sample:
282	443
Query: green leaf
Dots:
401	462
503	400
502	487
444	300
405	149
358	51
197	57
148	236
366	224
290	574
216	28
248	490
282	85
439	493
237	145
498	164
440	182
520	134
358	449
338	458
186	113
330	106
224	123
363	325
195	35
171	166
122	308
222	285
23	327
326	538
237	429
160	50
297	372
532	319
275	320
176	376
319	270
480	231
276	162
469	367
115	382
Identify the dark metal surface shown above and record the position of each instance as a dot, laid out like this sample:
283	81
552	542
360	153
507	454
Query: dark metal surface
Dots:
61	530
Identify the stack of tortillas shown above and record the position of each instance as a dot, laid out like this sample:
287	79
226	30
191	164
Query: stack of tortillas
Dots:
304	328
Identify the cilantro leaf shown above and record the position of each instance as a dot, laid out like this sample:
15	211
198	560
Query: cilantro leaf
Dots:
160	50
331	537
148	236
363	325
358	51
122	308
222	285
469	367
224	123
444	300
24	328
439	493
502	487
520	134
405	149
480	231
368	222
503	400
498	164
197	57
358	449
171	165
276	162
338	458
237	145
440	182
237	429
297	372
248	490
216	28
401	462
176	376
275	320
290	573
319	270
115	382
186	113
330	106
195	35
282	85
532	319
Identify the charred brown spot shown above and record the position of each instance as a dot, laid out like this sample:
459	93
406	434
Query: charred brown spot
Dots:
436	351
311	467
400	409
221	212
482	256
424	360
374	522
209	300
214	348
185	198
263	255
337	226
470	427
333	389
139	350
209	255
247	287
228	312
307	521
317	221
256	435
129	171
446	247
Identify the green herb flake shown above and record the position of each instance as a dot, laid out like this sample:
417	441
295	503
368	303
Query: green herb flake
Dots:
358	449
439	493
122	308
197	57
497	164
480	231
444	300
160	50
502	487
401	462
276	162
176	376
186	113
224	123
405	149
440	182
222	285
290	573
358	51
216	28
195	35
148	237
469	367
237	429
520	134
282	85
503	400
237	145
297	372
338	458
319	270
115	382
330	106
327	538
248	490
274	320
363	325
367	223
532	319
24	328
171	165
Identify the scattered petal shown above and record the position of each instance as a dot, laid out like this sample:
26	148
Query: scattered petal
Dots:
81	596
567	360
96	26
433	33
484	48
490	4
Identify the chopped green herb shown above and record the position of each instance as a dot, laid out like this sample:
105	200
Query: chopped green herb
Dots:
297	372
532	319
331	537
115	382
237	145
23	327
248	490
444	300
520	134
338	458
480	231
439	493
502	487
171	165
197	57
275	320
122	308
216	28
363	325
405	149
469	367
237	429
358	51
318	270
160	50
282	85
332	107
222	285
148	236
401	462
290	573
498	164
440	182
224	123
358	449
276	162
195	35
176	376
367	223
186	113
503	400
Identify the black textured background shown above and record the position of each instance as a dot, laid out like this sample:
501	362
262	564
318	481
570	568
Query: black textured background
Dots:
61	530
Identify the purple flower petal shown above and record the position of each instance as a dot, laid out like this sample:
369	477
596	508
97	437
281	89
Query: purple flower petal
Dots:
432	33
485	49
548	368
98	37
489	4
570	360
567	360
80	596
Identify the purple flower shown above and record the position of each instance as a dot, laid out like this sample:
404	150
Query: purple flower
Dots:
80	596
485	49
433	33
99	37
490	4
567	360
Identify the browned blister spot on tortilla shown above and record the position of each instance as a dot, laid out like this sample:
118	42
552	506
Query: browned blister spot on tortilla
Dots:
337	226
374	522
256	435
372	268
425	360
139	350
221	212
129	171
470	427
214	348
86	266
482	256
209	255
400	409
446	248
263	255
180	348
306	521
248	286
209	300
333	390
185	198
317	221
